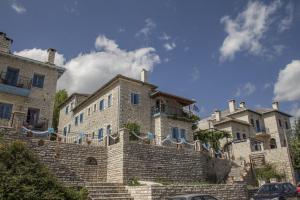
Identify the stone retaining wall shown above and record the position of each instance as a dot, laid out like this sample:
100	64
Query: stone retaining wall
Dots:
220	191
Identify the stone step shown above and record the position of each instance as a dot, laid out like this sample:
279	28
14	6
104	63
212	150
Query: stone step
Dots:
107	190
88	184
110	195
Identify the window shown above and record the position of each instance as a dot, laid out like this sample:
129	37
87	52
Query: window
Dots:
257	126
101	105
72	105
67	110
100	134
244	136
273	143
108	130
252	122
109	100
238	136
81	118
95	107
89	111
5	110
93	135
182	133
280	124
135	98
65	131
287	125
69	129
76	120
175	133
38	80
12	76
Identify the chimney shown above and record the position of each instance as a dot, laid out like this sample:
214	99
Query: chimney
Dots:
51	55
218	115
242	104
275	105
231	105
144	75
5	43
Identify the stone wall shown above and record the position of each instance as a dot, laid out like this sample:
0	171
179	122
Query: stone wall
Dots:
221	191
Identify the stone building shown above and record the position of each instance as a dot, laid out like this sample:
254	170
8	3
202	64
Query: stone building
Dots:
27	88
258	135
125	100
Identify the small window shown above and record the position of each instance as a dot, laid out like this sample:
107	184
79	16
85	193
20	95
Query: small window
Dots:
95	107
273	144
89	111
69	129
244	136
81	118
108	130
135	98
280	124
258	129
238	136
101	105
182	133
65	131
38	80
93	135
67	110
72	105
109	100
76	120
100	134
287	125
252	122
175	133
5	110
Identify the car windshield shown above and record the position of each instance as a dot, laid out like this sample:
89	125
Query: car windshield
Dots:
176	198
273	188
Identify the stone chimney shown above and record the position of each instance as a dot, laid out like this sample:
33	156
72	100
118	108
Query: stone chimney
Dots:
51	55
275	105
218	115
242	104
5	43
144	75
231	105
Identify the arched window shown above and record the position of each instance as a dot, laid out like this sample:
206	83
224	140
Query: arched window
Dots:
238	136
273	143
244	136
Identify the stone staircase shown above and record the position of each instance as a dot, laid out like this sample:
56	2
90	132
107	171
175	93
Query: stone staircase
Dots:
257	160
107	191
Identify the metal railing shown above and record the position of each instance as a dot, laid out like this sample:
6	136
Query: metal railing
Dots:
170	110
21	81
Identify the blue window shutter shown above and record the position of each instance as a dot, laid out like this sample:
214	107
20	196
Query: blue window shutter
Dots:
81	118
100	133
5	110
175	133
137	98
182	133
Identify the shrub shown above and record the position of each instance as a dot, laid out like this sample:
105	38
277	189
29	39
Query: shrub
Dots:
133	127
268	172
22	176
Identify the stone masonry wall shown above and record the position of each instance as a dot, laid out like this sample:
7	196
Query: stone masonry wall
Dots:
220	191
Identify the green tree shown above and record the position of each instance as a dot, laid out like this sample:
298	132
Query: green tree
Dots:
294	141
211	136
60	97
267	172
22	176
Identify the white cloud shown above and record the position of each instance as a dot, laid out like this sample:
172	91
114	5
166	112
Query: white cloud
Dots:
267	86
170	46
247	29
287	87
295	111
196	74
18	7
165	37
245	90
87	72
287	21
145	32
41	55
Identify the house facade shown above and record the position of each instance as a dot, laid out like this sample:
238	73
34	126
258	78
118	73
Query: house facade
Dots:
258	136
27	88
125	100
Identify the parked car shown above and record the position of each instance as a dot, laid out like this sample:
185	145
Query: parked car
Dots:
276	191
192	197
298	189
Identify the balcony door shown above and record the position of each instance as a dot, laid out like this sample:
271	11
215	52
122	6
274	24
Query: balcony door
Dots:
33	116
12	76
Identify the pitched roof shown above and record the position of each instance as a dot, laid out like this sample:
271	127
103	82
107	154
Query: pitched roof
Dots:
182	100
71	97
228	119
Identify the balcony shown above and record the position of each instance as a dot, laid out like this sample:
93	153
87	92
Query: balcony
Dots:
172	112
17	85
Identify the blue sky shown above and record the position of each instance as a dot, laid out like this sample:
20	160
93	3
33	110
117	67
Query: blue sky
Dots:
211	51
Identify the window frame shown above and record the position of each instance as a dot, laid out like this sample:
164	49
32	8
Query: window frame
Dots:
7	111
109	100
37	84
101	105
135	98
76	121
81	117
